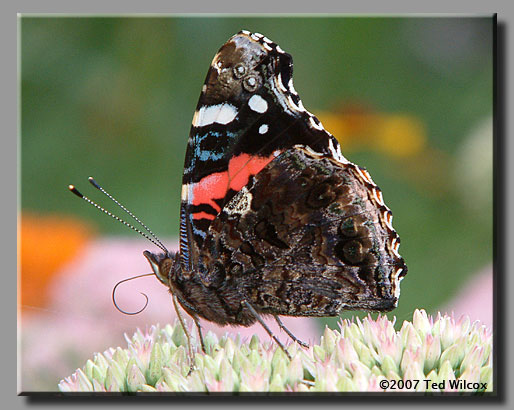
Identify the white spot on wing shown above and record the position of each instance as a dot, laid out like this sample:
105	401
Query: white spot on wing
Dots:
281	84
291	86
220	113
227	114
396	282
184	193
336	151
240	204
187	193
314	125
267	47
340	156
258	104
263	129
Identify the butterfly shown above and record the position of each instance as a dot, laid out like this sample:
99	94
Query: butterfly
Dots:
274	220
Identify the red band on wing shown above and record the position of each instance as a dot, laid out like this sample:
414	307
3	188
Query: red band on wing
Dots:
216	186
211	187
203	215
243	166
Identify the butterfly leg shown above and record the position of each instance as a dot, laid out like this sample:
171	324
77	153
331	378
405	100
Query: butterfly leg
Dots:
266	328
289	333
186	332
199	327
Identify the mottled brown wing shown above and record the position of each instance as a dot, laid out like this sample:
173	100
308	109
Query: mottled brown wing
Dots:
309	236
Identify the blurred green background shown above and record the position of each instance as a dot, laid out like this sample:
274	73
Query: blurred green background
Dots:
114	98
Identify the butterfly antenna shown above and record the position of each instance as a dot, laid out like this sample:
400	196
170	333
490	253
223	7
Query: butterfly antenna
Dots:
97	186
155	241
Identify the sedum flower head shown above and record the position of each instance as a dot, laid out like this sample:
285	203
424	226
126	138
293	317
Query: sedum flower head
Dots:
441	354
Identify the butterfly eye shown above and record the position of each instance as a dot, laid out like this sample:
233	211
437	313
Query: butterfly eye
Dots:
250	83
239	70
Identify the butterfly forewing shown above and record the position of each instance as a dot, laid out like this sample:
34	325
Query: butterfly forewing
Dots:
247	114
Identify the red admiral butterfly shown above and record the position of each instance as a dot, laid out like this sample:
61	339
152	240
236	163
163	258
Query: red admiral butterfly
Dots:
274	220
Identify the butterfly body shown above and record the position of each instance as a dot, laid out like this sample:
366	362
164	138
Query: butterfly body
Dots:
274	219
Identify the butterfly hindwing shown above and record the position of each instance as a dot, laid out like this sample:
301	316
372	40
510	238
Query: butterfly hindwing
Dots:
309	236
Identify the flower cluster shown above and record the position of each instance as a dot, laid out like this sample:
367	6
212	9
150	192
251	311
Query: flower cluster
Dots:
358	357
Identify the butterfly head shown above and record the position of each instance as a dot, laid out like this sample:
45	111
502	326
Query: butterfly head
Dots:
162	265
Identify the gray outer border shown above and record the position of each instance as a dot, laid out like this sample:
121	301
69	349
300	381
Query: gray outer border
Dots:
10	161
